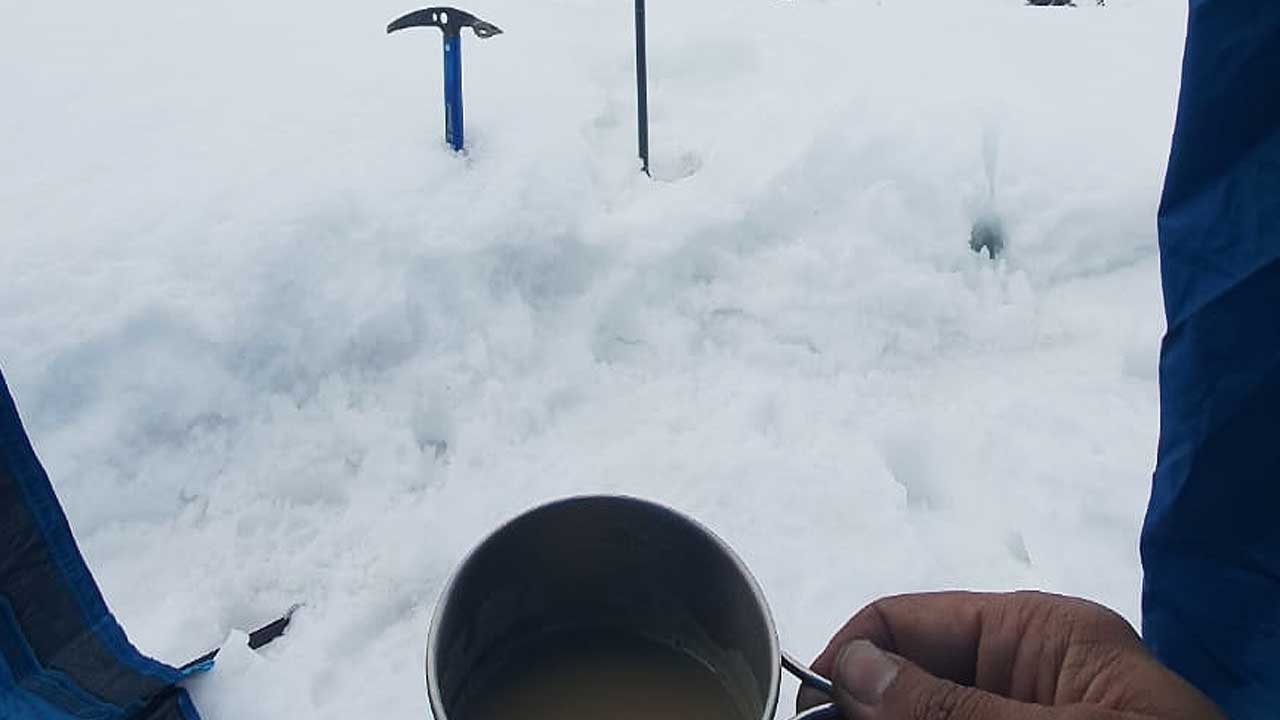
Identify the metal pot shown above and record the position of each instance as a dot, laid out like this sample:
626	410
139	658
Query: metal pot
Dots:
608	563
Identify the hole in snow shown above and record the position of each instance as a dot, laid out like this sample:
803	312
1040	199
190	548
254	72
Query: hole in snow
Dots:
988	236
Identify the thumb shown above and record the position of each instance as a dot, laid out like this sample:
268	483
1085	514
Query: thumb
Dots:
871	684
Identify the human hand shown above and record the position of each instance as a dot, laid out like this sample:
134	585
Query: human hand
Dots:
1024	656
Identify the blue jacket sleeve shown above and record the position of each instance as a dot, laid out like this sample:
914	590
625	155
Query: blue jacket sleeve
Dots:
1211	543
62	653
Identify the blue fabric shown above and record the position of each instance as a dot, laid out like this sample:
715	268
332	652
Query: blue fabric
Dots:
1211	543
62	654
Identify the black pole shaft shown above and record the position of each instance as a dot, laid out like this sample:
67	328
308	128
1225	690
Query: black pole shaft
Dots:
259	638
642	85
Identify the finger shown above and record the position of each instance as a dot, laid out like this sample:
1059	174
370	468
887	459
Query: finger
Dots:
938	631
874	685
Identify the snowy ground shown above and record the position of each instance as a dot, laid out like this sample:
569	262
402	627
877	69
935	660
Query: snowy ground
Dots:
276	344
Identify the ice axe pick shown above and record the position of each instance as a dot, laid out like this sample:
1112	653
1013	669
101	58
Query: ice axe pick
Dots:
451	21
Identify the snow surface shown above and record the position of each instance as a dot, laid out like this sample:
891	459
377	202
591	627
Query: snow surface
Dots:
276	344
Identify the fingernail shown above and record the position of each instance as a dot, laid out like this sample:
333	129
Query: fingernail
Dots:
865	672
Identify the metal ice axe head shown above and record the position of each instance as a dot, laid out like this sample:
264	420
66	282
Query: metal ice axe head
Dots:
451	21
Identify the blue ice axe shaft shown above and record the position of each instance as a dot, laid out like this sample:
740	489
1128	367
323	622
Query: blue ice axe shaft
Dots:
450	21
454	125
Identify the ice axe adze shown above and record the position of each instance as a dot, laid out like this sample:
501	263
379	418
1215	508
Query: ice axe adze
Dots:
450	21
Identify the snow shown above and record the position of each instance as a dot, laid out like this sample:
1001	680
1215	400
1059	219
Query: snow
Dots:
276	344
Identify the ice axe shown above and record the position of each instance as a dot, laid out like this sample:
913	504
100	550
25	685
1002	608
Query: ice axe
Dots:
451	21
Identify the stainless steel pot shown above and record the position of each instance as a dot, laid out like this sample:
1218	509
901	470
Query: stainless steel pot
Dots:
606	563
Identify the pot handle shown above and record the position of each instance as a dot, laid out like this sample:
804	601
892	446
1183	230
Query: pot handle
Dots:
811	679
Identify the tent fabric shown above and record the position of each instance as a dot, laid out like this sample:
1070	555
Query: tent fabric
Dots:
1211	542
62	653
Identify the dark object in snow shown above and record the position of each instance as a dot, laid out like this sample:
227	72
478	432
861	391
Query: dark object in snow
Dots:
1211	543
451	21
987	236
642	86
62	653
1058	3
258	639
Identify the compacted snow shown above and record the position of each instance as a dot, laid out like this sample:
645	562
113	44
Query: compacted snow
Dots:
276	344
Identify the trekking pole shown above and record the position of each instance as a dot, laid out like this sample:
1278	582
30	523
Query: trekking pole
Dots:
450	21
642	86
259	638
